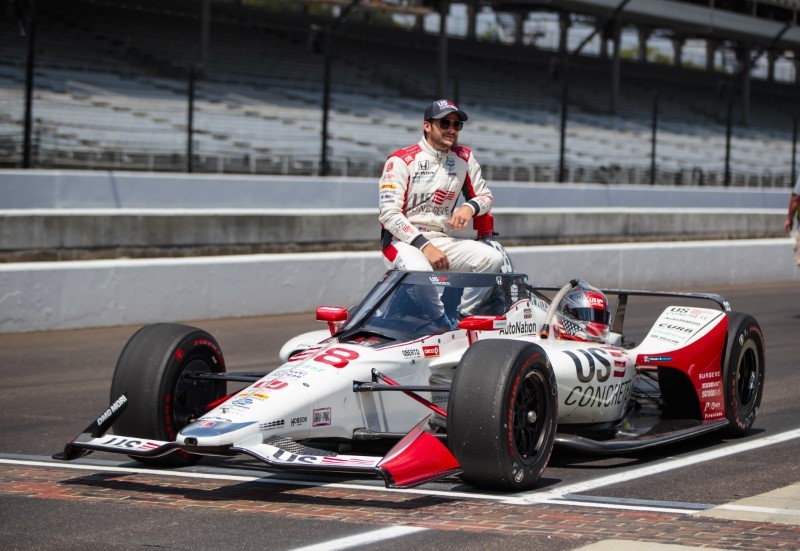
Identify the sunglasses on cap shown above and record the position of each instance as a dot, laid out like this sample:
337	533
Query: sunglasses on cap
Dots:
444	124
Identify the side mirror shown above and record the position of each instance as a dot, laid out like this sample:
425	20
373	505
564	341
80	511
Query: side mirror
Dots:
334	315
483	323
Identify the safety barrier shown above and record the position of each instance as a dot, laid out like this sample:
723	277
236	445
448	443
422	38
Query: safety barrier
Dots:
64	295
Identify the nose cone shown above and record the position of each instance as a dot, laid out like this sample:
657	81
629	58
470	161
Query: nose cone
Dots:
215	433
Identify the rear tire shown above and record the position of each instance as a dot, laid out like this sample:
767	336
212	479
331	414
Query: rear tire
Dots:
743	372
502	414
153	370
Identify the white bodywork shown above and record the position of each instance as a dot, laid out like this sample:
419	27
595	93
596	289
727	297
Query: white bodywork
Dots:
311	395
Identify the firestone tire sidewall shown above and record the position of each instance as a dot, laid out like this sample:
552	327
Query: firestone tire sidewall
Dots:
481	426
745	349
150	369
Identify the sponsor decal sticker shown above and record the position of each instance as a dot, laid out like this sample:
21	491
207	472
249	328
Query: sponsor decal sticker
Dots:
121	401
599	395
596	301
331	460
519	328
711	375
439	398
430	351
539	303
321	417
440	280
654	359
129	443
283	456
298	421
292	374
278	423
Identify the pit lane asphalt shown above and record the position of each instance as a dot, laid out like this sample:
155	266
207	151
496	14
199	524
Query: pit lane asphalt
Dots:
53	383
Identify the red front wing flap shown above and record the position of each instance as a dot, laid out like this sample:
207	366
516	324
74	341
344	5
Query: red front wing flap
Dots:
417	458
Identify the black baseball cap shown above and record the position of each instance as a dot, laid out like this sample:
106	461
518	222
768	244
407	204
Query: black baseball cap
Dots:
443	107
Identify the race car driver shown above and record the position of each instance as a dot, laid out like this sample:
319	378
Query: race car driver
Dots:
583	315
419	190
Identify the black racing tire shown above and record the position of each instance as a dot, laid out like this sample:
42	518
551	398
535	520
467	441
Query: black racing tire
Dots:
743	372
152	370
502	414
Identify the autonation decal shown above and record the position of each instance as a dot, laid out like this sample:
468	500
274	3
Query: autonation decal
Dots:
519	328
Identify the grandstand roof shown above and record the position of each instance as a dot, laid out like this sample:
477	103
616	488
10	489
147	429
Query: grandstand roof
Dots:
690	18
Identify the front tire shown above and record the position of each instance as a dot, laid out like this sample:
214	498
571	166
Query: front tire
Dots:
502	414
743	372
154	370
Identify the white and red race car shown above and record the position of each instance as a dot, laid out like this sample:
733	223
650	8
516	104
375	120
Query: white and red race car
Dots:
487	399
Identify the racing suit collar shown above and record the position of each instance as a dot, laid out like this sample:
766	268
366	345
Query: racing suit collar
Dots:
435	153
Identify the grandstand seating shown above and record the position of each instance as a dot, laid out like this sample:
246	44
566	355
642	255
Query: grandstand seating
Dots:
111	92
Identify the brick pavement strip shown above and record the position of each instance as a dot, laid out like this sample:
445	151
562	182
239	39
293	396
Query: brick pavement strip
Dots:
434	512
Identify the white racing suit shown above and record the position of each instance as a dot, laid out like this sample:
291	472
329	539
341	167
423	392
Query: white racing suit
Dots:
419	190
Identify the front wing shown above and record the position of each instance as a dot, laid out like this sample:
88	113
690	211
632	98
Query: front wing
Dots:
419	457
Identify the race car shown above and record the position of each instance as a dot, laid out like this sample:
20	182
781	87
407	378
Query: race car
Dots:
484	394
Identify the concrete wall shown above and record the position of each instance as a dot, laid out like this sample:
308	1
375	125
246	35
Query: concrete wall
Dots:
63	295
51	189
131	232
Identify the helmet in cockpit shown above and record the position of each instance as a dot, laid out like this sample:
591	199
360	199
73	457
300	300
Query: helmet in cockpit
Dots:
583	314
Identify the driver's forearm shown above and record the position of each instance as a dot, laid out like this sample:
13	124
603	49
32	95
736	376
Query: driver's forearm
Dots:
794	203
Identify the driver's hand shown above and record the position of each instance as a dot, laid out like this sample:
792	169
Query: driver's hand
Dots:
436	257
787	227
460	218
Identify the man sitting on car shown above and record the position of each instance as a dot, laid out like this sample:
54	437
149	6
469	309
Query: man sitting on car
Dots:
419	189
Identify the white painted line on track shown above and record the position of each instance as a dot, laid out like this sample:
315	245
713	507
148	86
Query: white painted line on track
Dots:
557	496
476	496
609	504
658	468
266	479
756	509
368	538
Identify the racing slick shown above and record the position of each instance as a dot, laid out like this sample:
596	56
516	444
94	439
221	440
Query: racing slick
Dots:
419	190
